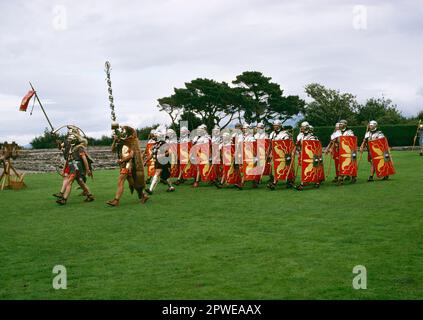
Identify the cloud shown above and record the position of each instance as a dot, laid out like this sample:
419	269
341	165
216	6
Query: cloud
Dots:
155	46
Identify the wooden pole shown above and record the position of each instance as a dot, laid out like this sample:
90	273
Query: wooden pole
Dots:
41	106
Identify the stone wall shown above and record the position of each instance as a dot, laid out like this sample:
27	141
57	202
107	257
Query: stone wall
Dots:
47	160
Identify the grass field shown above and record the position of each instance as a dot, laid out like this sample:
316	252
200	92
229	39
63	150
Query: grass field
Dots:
217	244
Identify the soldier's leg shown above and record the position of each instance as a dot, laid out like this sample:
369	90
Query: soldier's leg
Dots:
63	189
119	190
179	180
154	181
170	188
68	190
240	185
197	178
372	173
85	189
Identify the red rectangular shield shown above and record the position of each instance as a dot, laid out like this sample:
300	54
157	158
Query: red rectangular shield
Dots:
250	169
262	149
150	164
202	153
347	155
282	158
312	170
229	171
381	157
174	156
188	170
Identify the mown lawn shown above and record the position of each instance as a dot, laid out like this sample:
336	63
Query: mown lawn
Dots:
217	244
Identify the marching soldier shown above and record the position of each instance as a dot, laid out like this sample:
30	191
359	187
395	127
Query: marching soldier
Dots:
172	142
184	146
126	145
277	134
150	143
263	147
345	160
333	149
216	145
312	167
162	164
78	167
202	138
351	156
249	158
229	173
371	135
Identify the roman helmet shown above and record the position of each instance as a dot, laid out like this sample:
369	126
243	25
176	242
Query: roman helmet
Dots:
343	125
171	134
226	137
152	134
277	125
304	126
373	125
184	131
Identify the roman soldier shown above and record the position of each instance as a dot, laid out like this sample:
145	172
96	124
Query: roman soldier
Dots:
304	127
379	155
161	154
201	154
216	147
249	158
333	149
347	154
263	146
282	151
185	167
130	160
77	167
172	141
150	143
230	173
311	158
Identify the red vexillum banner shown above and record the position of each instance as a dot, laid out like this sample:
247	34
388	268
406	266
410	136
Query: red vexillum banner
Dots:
25	100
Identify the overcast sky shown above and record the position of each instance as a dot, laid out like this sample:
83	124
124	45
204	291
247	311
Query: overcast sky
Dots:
368	48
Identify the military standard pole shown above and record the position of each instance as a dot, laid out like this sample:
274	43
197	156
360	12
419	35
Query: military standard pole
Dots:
41	106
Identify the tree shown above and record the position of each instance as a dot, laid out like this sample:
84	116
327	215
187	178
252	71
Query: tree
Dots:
329	106
144	132
381	110
47	140
215	103
264	100
169	105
